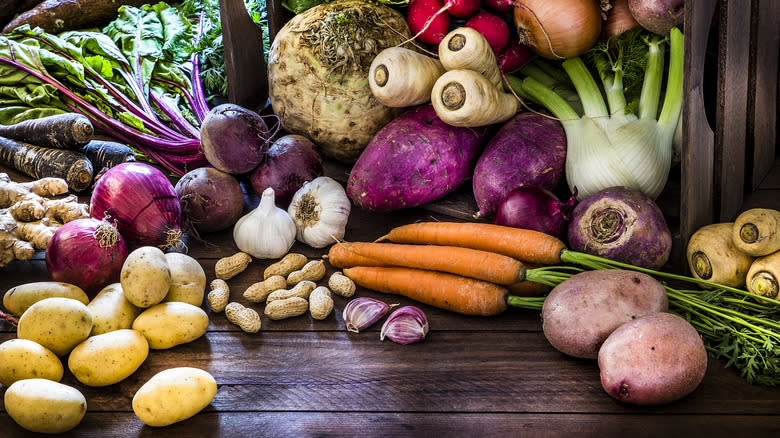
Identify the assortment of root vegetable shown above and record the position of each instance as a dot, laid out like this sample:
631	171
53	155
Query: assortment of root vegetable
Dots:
566	169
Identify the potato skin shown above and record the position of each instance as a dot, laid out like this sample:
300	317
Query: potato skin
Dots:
19	298
25	359
111	310
44	406
583	310
652	360
108	358
169	324
188	279
58	324
174	395
145	277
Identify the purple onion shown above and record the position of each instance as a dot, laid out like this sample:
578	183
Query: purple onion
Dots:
535	208
211	200
291	161
142	202
88	253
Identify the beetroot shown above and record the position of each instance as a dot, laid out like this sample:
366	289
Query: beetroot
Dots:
658	16
528	150
414	159
211	200
291	161
621	224
234	139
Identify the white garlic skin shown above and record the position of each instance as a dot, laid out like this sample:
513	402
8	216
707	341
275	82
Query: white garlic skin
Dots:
320	210
267	232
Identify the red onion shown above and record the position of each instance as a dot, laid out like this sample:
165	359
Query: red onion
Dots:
142	201
291	161
88	253
211	200
535	208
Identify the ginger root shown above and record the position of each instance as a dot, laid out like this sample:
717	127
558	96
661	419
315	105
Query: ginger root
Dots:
30	213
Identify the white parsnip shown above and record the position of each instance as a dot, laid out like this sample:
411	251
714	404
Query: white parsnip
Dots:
400	77
466	49
466	98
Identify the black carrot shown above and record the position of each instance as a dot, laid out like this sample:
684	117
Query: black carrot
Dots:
106	154
61	131
39	162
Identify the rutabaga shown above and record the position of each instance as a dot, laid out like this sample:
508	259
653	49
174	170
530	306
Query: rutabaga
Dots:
613	146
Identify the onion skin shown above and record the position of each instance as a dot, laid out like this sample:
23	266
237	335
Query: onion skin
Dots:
211	200
291	161
658	16
234	139
621	224
88	253
619	20
535	208
142	201
558	29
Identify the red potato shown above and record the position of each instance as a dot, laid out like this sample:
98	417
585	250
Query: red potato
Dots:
426	21
652	360
581	312
492	27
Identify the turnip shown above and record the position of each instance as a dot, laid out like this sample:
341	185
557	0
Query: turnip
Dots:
621	224
658	16
528	150
415	159
318	74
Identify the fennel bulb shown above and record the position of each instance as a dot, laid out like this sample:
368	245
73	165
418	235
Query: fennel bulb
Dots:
611	144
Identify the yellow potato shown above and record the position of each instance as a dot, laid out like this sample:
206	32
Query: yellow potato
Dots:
45	406
145	276
108	358
58	324
111	310
174	395
17	299
166	325
188	279
24	359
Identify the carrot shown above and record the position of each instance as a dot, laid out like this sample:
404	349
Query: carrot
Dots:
40	162
466	98
528	289
522	244
465	48
439	289
401	77
55	16
107	154
61	131
763	277
756	232
467	262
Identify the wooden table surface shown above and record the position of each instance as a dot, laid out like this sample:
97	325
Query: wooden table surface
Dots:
472	376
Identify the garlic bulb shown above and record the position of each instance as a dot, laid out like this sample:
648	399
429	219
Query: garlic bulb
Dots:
320	210
267	232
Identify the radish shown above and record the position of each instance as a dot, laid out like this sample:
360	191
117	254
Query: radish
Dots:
426	20
462	8
492	27
500	6
513	56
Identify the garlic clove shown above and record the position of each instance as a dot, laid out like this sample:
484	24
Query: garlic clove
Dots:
406	325
363	312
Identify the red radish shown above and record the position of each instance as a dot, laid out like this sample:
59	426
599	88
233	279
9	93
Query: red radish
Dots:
500	6
513	56
492	27
462	8
426	20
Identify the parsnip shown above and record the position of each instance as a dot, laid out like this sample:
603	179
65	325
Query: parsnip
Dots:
757	231
401	77
466	98
712	256
763	277
465	48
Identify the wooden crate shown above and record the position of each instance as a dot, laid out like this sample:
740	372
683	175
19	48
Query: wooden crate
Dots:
729	109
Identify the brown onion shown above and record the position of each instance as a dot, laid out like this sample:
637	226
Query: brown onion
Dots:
619	20
558	29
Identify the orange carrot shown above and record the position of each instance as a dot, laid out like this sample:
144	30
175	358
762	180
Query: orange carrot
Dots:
445	291
521	244
528	289
467	262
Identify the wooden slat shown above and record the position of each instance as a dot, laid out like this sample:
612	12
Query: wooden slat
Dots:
762	97
731	114
244	60
697	157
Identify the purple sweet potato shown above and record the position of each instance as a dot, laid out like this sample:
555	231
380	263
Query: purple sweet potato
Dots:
528	150
413	160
